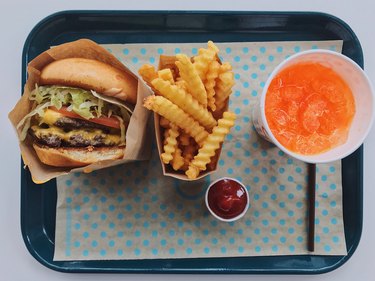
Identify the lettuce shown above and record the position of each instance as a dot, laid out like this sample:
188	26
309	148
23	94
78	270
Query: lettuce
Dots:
26	120
80	101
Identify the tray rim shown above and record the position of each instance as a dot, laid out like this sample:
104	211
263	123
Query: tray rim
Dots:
24	172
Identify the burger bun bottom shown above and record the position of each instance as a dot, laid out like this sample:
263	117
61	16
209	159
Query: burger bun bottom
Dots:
77	156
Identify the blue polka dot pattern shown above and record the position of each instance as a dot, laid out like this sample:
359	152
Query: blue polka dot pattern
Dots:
131	211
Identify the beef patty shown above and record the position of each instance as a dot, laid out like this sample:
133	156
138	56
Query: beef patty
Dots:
70	132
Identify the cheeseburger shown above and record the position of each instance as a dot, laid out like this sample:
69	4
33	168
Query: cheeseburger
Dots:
78	115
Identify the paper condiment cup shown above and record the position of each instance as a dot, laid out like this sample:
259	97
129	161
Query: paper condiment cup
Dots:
363	95
218	216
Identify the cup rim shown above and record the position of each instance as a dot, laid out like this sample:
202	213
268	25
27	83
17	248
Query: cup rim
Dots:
313	158
234	218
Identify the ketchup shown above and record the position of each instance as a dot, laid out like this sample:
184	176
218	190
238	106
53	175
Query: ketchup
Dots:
227	198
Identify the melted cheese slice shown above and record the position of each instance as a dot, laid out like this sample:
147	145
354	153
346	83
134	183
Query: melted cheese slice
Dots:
51	116
108	139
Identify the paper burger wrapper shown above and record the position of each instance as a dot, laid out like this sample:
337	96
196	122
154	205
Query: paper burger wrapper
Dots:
168	62
138	144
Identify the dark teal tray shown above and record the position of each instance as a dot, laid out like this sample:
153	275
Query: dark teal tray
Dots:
38	203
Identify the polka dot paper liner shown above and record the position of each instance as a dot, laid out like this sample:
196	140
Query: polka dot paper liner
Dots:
133	212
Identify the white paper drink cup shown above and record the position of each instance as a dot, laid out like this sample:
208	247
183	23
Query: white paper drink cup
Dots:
363	95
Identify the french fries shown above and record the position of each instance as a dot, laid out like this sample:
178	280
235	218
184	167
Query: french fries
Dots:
184	139
166	74
203	60
211	144
191	76
185	101
170	144
148	73
177	161
210	83
223	87
164	123
191	98
176	115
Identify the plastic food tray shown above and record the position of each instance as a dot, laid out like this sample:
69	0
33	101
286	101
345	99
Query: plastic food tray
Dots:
38	203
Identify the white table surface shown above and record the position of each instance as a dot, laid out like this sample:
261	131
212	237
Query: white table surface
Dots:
16	21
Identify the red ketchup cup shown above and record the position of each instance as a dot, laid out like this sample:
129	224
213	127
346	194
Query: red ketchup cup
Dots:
227	199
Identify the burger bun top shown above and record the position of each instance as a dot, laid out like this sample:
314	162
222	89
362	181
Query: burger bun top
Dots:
91	74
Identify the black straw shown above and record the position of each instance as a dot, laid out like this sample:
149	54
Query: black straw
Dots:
311	194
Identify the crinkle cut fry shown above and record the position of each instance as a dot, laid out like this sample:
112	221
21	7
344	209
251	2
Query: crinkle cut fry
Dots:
210	82
183	138
211	144
166	74
211	46
148	73
181	84
177	161
184	101
170	144
204	58
223	88
225	67
188	153
176	115
164	123
193	82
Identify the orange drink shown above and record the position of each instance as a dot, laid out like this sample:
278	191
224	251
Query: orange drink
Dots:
317	106
309	108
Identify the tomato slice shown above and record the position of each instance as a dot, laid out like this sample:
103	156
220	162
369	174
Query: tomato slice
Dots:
112	122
